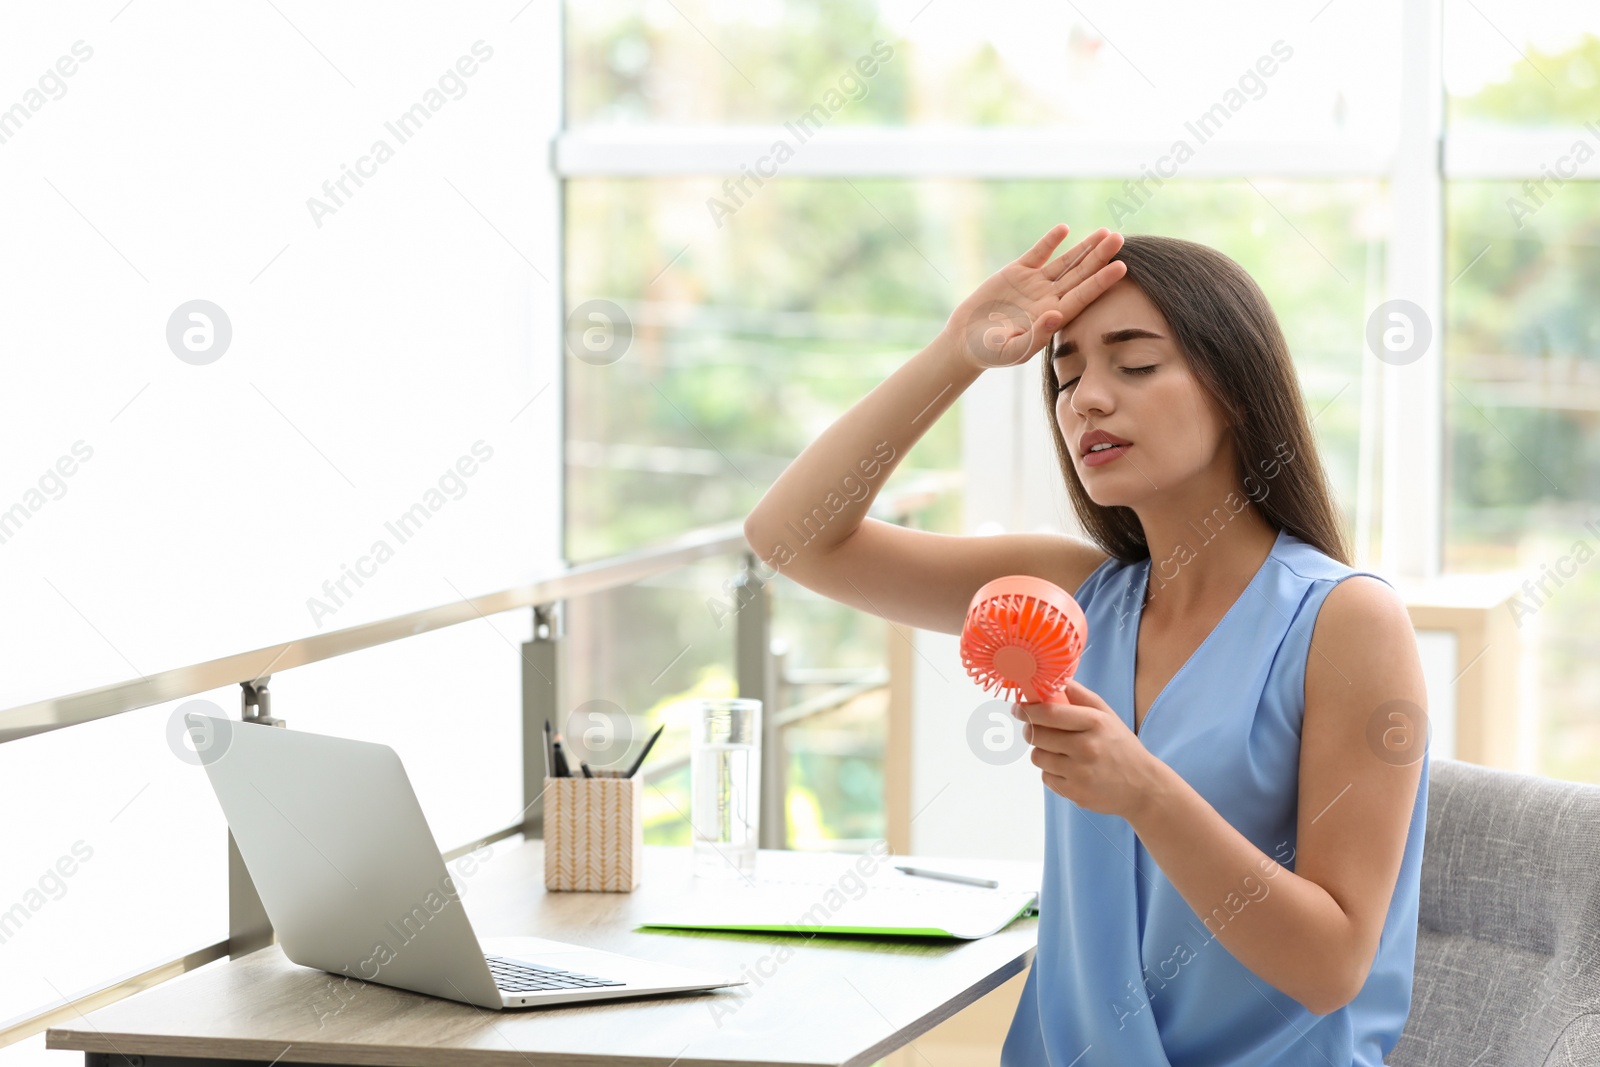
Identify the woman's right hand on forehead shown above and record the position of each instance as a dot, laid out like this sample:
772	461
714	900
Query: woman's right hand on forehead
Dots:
1015	311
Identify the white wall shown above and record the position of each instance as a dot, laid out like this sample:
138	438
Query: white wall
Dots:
372	350
963	805
368	355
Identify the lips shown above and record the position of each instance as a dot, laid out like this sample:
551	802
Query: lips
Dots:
1098	437
1104	456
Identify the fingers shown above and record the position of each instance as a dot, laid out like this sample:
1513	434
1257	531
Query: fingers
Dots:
1068	717
1092	259
1084	293
1046	326
1071	257
1074	688
1049	323
1041	250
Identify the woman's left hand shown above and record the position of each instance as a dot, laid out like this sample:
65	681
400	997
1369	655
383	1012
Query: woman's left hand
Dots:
1087	753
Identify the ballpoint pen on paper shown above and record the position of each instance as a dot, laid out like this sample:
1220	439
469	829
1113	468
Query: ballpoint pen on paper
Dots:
645	752
987	883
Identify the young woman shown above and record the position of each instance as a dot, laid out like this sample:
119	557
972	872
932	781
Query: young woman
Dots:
1235	791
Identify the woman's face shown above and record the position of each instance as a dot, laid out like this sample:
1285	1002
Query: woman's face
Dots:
1120	371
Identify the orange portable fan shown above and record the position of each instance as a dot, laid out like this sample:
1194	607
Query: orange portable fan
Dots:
1023	635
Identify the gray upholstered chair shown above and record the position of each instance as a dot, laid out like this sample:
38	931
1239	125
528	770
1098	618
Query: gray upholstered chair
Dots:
1508	939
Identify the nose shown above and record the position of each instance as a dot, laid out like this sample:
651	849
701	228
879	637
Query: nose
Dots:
1089	397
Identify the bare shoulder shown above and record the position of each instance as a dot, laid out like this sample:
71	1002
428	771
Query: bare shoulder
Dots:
1359	604
1363	650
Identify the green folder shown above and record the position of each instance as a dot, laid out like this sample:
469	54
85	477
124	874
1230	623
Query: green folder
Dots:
884	909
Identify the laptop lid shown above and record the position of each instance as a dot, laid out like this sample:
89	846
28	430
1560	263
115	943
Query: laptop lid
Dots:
342	857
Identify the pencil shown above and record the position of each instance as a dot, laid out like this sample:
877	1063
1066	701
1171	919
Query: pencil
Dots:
645	752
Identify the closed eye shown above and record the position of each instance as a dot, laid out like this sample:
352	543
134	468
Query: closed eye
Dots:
1129	370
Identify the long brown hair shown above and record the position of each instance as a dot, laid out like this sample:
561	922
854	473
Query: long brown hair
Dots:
1224	327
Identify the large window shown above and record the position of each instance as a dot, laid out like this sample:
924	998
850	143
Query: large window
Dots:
719	320
744	342
764	291
1522	345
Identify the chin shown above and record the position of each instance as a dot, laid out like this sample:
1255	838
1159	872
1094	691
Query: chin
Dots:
1109	496
1104	499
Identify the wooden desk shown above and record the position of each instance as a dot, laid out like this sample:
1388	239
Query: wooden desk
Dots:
836	1000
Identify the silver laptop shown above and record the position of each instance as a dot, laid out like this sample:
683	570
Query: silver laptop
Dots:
354	883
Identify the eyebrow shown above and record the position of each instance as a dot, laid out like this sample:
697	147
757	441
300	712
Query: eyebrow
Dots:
1111	337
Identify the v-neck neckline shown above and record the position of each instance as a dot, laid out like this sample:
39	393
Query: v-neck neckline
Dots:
1138	621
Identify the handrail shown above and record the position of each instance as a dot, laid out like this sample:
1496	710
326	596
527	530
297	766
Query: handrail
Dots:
836	697
570	581
613	572
30	1023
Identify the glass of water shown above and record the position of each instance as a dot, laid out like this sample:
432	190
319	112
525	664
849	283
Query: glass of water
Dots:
725	785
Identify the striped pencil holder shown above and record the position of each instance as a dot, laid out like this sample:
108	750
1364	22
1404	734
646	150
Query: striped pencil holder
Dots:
593	833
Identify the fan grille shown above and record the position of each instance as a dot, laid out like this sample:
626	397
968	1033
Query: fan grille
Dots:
1050	635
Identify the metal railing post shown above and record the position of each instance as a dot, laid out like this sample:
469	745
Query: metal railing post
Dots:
248	925
541	694
775	739
756	678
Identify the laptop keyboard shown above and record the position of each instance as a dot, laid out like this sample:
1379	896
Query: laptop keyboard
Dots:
513	977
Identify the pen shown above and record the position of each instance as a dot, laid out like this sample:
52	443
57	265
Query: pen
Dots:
585	765
560	758
645	751
549	771
987	883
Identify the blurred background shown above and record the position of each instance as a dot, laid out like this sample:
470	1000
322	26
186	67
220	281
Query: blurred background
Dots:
643	255
753	335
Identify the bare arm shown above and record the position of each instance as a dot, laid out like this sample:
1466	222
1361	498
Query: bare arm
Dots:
812	523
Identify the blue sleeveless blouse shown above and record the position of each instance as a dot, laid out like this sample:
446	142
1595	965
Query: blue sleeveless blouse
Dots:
1126	974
